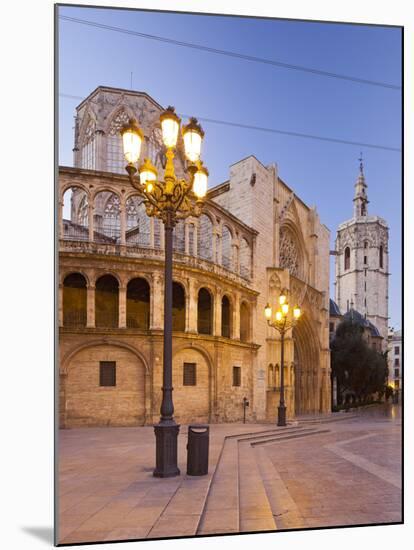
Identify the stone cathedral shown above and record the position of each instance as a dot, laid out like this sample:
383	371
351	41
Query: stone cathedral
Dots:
254	238
361	261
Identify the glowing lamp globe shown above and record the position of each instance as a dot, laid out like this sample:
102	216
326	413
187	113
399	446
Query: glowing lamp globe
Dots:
193	136
147	175
268	312
170	124
132	137
200	182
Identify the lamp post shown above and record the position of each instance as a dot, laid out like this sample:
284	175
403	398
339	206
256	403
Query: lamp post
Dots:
282	320
169	199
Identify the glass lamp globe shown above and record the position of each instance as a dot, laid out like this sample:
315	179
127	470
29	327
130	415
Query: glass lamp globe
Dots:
147	175
268	312
170	124
193	136
132	137
200	182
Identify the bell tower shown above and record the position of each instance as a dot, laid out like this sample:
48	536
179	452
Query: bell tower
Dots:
361	261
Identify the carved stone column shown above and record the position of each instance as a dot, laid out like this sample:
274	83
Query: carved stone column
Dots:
192	309
91	221
186	237
60	219
122	307
235	257
122	214
156	317
60	306
236	317
152	232
217	314
195	243
90	306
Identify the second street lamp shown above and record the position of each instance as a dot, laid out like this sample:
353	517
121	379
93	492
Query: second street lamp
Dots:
283	319
169	199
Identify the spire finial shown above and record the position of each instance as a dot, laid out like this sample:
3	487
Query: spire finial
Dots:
361	166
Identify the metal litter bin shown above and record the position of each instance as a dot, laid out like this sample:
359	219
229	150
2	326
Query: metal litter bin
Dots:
197	449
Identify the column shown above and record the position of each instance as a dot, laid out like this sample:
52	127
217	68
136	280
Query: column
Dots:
90	307
91	221
122	307
157	297
192	309
186	238
152	232
219	246
217	314
60	306
122	213
236	317
235	257
195	251
60	219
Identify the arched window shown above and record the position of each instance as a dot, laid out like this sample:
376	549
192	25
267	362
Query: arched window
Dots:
245	259
381	256
137	222
74	301
75	215
225	317
205	312
178	307
88	149
347	258
107	221
106	302
115	160
244	322
205	238
138	304
226	248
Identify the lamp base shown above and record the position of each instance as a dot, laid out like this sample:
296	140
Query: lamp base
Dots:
166	435
281	415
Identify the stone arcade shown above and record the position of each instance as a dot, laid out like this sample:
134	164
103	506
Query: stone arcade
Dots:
254	238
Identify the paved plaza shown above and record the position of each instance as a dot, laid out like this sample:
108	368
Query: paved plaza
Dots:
339	469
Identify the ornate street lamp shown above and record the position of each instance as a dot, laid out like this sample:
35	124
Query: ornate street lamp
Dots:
168	199
283	319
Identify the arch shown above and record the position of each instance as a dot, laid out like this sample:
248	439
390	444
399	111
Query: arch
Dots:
347	258
75	214
226	247
244	322
226	317
178	307
86	402
107	301
138	303
204	312
74	300
306	360
70	185
199	394
205	237
65	274
64	364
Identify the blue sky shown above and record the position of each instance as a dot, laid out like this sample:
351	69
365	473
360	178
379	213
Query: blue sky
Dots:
219	87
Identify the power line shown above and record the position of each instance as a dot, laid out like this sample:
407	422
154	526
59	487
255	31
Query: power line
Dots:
275	130
232	54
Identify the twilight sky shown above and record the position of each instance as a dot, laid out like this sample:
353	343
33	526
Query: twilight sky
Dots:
224	88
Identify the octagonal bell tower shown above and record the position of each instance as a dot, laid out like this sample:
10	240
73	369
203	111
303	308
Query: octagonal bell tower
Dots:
361	261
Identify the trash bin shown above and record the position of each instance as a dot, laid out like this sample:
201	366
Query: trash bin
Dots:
197	449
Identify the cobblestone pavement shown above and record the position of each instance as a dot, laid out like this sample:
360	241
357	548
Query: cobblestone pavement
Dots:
338	470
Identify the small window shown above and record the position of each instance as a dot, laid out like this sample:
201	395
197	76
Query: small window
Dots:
236	376
365	244
381	256
189	374
347	258
397	350
365	260
396	373
331	327
397	362
107	373
365	286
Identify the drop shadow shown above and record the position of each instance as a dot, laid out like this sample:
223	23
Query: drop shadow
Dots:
43	533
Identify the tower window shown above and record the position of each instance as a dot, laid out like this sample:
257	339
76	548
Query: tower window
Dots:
365	244
365	260
347	259
381	256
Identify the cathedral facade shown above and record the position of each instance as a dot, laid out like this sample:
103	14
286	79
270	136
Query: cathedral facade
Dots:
361	262
254	238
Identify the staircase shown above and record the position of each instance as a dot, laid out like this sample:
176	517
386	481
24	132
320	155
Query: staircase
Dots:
244	493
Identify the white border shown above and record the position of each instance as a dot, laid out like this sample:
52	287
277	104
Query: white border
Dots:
26	397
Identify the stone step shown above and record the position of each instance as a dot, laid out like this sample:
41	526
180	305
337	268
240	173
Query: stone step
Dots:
276	434
285	512
273	440
255	511
221	509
